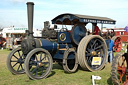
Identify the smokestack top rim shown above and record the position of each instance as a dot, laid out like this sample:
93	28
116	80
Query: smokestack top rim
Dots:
32	3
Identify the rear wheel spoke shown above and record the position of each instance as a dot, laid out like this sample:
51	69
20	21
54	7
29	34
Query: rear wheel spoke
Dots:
89	50
93	43
100	46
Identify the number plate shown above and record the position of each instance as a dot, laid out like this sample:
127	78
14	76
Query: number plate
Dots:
96	61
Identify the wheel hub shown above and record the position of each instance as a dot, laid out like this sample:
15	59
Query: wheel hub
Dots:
20	60
93	53
40	64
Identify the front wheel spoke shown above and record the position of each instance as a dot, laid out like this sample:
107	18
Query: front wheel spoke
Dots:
13	60
36	57
15	64
45	63
22	67
40	56
44	58
37	72
15	56
19	53
45	67
33	63
35	69
22	55
18	67
42	70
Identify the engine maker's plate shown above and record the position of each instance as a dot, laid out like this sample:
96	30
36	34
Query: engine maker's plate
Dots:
62	37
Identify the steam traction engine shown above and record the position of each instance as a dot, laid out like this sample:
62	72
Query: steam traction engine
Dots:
68	47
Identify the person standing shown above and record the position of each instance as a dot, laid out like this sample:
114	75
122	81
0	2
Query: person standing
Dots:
96	29
2	41
110	50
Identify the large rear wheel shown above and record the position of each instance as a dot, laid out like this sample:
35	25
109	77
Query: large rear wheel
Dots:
92	53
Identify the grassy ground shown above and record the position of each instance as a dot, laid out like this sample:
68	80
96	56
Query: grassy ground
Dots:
57	76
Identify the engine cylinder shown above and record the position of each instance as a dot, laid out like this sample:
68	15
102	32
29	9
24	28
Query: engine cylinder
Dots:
28	44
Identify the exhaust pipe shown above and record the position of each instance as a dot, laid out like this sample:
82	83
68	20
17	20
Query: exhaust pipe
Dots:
30	10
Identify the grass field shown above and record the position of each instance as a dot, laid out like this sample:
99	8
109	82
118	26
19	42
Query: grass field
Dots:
57	76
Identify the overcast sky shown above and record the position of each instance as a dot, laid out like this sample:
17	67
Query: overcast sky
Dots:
14	12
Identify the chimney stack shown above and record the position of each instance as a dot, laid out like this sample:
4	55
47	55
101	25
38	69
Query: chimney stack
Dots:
30	10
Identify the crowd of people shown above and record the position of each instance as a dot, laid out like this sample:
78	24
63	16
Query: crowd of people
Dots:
8	42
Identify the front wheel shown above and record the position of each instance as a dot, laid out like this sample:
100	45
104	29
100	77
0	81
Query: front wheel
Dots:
38	63
15	61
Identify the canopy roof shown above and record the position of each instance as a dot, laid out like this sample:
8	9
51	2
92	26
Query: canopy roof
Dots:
69	19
